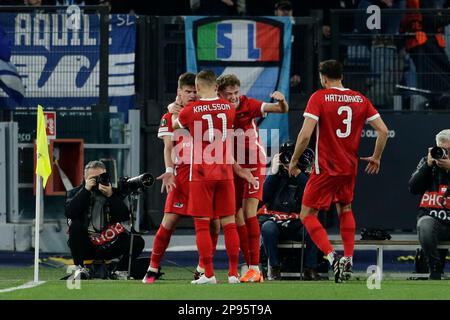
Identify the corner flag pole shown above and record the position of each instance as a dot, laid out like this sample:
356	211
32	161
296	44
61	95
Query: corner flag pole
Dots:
43	170
37	227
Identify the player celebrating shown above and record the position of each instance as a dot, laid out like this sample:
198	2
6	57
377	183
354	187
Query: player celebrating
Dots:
175	179
340	114
210	121
249	153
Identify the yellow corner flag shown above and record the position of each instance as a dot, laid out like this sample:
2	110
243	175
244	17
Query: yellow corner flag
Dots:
43	166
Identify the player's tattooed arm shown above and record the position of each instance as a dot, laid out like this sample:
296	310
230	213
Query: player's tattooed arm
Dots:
280	107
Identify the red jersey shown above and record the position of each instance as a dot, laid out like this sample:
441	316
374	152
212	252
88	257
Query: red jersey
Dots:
210	122
181	139
341	115
248	149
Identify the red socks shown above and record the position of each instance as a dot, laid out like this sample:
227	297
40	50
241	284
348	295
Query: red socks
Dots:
243	240
204	245
214	239
348	226
253	239
160	243
318	234
232	246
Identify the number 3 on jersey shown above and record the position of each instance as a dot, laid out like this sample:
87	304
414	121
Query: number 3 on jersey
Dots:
347	121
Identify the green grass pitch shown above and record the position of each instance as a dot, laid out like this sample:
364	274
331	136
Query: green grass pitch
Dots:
176	285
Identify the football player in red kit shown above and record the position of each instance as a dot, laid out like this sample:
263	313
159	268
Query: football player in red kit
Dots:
175	179
249	153
211	187
338	114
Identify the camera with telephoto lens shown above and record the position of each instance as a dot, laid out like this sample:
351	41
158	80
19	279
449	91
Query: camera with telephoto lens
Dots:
136	184
287	151
438	153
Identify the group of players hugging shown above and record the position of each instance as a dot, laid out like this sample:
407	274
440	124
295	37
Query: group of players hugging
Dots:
215	168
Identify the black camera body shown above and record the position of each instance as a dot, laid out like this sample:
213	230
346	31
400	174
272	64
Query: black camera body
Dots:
438	153
103	179
128	185
287	151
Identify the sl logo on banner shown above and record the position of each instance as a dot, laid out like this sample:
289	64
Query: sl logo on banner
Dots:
257	50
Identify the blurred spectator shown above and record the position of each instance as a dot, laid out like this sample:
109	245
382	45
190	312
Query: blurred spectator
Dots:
218	7
327	5
284	9
425	44
298	57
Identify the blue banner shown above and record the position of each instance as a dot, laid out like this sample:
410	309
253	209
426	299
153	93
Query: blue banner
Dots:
59	64
257	50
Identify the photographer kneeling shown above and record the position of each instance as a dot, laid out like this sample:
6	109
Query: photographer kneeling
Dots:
431	180
280	216
95	211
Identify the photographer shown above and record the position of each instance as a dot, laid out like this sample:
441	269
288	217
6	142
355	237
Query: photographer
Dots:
279	217
431	180
95	211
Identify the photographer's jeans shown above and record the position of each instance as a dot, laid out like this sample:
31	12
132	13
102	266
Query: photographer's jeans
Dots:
272	233
430	232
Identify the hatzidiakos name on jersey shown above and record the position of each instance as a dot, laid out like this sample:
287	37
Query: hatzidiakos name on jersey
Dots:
342	98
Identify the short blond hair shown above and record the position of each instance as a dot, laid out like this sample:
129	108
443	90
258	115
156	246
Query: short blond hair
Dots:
207	77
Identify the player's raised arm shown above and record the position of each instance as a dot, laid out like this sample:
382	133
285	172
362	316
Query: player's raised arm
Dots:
302	142
280	107
374	161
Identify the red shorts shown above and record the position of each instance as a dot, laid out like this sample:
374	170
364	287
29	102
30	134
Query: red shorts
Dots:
211	198
323	189
245	190
177	199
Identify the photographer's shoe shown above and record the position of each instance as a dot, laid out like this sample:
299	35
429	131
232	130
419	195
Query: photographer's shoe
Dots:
310	274
81	273
120	275
346	268
152	276
274	273
435	271
204	280
336	266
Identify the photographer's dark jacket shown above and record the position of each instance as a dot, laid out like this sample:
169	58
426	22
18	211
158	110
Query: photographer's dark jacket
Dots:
80	204
431	183
282	196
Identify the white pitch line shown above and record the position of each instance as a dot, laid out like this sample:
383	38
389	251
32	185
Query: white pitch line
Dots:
27	285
